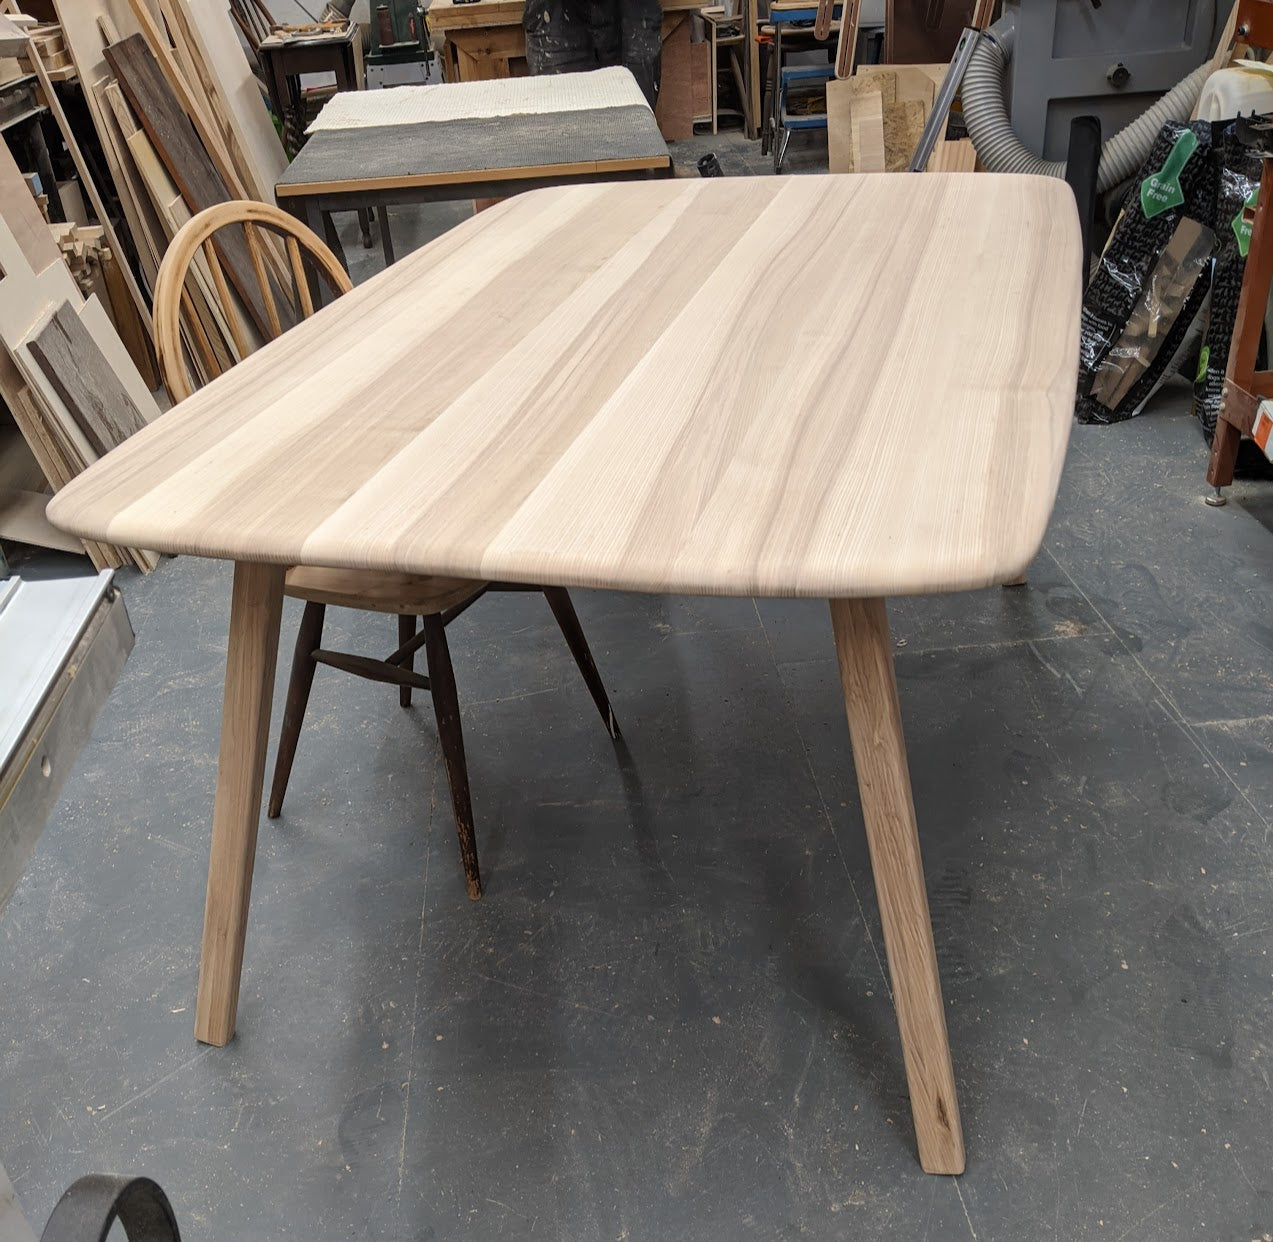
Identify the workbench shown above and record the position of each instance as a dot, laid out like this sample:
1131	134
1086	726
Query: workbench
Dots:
416	144
286	59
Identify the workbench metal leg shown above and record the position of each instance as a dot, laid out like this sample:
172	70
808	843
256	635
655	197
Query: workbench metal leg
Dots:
331	237
321	223
780	137
386	238
364	226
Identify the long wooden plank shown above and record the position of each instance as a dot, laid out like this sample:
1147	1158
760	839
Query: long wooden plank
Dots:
81	376
148	236
232	89
210	308
189	165
197	109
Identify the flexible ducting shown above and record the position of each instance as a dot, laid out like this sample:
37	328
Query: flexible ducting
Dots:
999	148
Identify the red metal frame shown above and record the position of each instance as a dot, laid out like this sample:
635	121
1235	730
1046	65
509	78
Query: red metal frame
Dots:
1255	23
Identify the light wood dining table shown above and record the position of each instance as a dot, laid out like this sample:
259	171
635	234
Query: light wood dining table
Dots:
847	387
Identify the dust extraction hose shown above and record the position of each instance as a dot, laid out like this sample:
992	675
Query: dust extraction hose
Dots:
999	148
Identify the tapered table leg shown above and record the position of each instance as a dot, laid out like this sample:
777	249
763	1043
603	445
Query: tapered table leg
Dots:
879	754
255	613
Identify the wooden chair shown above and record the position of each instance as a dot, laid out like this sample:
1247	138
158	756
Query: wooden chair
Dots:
436	600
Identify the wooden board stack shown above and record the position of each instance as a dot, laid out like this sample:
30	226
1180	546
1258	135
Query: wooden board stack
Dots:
65	375
876	117
182	124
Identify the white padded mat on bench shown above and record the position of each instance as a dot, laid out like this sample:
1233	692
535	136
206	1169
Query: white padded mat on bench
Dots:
461	101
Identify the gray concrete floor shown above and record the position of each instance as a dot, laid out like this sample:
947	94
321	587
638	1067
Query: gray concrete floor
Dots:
669	1018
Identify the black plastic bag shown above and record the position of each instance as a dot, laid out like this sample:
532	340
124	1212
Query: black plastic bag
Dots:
1152	278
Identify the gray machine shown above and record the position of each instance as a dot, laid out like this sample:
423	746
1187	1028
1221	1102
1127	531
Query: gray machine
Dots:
1113	60
1135	64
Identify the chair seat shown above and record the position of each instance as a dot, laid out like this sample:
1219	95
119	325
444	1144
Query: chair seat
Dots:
418	595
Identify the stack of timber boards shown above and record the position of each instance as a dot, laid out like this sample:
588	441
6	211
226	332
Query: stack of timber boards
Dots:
876	117
176	141
65	375
183	126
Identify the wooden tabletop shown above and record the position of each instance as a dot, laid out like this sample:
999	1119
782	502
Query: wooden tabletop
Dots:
808	386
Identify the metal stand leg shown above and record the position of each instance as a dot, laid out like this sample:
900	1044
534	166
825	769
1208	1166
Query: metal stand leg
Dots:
386	239
780	136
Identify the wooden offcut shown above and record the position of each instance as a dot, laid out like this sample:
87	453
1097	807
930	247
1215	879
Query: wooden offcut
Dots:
85	381
866	133
903	127
957	156
13	39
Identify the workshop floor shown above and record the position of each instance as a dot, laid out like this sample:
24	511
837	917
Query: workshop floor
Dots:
670	1018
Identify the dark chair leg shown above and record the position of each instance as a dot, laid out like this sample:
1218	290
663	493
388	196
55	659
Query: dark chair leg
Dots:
406	632
559	601
308	639
446	706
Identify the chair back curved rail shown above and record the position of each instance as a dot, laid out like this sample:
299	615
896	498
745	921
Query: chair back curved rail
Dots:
192	277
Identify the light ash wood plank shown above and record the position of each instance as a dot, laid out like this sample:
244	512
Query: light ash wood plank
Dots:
814	386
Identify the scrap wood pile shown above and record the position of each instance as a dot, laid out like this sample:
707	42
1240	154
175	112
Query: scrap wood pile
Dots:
171	121
875	119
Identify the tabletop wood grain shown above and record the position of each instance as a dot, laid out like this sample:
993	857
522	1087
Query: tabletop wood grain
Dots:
807	386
